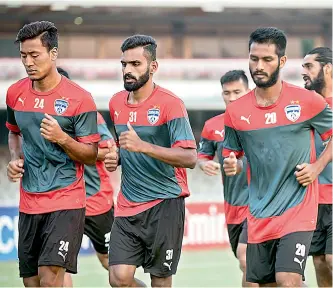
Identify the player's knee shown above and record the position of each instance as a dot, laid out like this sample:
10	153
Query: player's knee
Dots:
284	279
120	278
161	282
51	276
328	260
241	256
319	262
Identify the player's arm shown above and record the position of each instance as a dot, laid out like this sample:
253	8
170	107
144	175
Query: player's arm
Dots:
15	166
321	121
105	135
232	149
206	153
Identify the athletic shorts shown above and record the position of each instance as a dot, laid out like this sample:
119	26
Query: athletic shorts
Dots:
151	239
322	236
98	229
287	254
50	239
237	234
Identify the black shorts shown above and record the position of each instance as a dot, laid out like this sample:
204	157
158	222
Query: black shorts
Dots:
50	239
322	236
151	239
287	254
98	229
237	234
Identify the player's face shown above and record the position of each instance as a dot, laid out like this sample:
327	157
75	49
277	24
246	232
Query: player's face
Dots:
37	60
136	69
233	90
265	64
313	73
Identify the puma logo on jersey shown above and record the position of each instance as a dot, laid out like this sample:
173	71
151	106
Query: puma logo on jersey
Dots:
246	119
219	133
21	100
116	114
168	265
62	255
299	262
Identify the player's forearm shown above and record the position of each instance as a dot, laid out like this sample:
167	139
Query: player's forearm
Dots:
176	157
15	145
324	158
101	153
79	152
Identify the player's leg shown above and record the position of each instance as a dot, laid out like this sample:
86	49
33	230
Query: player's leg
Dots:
328	248
62	237
163	237
29	244
241	255
126	251
260	263
68	281
98	229
291	256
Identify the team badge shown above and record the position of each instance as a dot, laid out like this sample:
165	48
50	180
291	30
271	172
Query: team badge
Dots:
153	115
293	111
60	106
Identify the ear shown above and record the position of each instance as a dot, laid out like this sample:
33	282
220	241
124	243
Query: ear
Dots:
153	67
54	54
283	61
328	69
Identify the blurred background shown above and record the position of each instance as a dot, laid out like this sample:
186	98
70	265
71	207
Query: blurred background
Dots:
198	41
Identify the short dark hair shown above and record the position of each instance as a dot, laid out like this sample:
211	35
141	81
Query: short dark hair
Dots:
234	75
147	42
63	72
45	29
324	55
270	35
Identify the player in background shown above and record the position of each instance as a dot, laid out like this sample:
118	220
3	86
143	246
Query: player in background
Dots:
156	145
99	193
57	121
234	85
274	126
317	75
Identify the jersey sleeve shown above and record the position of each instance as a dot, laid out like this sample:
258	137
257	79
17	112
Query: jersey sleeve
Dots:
207	147
103	131
85	122
180	131
231	141
322	119
11	121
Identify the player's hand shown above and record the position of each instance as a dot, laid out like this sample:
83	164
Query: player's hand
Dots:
15	170
306	173
51	130
111	158
130	141
230	165
211	168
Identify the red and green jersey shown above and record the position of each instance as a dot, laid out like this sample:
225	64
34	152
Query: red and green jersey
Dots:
161	120
51	181
98	187
275	140
325	177
235	189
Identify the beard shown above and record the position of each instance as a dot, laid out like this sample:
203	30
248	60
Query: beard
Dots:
138	83
271	80
318	83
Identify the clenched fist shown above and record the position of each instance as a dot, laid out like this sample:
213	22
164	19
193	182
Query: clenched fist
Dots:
111	158
230	165
15	170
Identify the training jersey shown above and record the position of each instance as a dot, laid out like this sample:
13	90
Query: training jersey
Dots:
275	139
98	187
235	188
325	177
161	120
51	181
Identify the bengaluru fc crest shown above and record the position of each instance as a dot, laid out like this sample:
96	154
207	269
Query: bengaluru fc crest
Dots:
153	115
60	106
293	111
